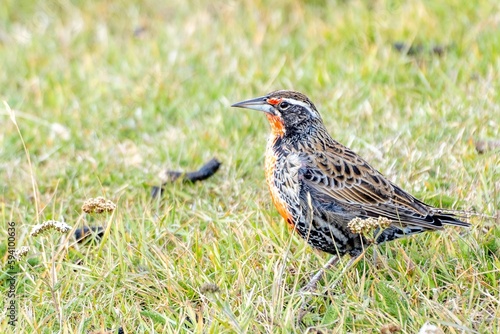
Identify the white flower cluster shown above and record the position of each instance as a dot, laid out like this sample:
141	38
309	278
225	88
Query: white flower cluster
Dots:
61	227
364	226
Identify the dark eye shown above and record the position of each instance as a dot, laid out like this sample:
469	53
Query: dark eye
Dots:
284	105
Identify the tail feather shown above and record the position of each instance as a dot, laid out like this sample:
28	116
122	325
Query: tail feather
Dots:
454	218
437	219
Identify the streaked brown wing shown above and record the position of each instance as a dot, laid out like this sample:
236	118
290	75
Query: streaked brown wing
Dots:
342	176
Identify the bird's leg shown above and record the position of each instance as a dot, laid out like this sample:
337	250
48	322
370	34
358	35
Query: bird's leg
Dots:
314	280
352	261
312	286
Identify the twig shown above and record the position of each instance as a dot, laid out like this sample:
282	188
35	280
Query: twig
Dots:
207	170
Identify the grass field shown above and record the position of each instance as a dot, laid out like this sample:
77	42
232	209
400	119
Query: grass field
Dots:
99	98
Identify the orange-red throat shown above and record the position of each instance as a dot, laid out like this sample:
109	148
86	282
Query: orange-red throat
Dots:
277	125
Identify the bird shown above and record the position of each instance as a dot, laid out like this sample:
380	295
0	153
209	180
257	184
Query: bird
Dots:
319	186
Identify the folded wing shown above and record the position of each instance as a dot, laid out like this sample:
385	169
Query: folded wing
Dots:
339	175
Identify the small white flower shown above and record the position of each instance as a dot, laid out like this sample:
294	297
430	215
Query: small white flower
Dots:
61	227
21	252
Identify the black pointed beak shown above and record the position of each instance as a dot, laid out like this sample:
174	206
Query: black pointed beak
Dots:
259	103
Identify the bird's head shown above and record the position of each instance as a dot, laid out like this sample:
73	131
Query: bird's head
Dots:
288	112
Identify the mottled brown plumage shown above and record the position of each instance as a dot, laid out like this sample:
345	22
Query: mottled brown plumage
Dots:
318	185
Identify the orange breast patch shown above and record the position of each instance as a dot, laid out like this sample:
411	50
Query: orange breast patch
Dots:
278	202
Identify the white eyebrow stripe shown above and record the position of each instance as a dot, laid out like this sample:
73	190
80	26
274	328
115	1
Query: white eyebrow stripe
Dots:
302	104
297	102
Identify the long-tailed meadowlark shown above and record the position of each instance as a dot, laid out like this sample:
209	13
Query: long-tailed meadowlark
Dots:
319	186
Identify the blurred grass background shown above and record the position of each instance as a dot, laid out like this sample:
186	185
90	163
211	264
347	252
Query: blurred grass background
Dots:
107	95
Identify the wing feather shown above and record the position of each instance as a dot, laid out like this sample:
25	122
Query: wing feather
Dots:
339	175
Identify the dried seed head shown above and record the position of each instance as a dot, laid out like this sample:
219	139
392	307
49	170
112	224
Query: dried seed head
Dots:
364	226
98	205
21	252
209	288
61	227
390	329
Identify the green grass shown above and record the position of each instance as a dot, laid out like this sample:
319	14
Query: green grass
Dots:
102	111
